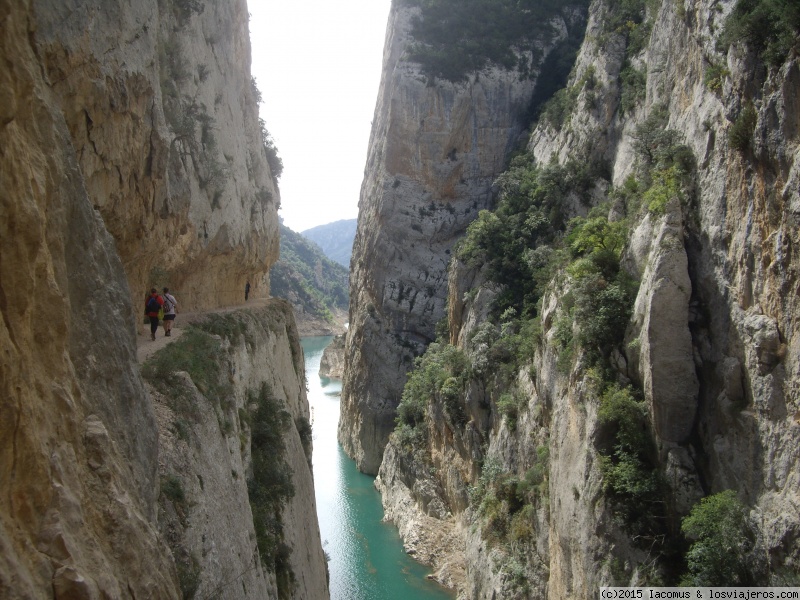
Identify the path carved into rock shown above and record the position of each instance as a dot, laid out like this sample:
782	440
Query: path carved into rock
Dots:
145	347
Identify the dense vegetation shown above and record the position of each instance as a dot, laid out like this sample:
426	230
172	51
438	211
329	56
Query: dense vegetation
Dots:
771	28
438	376
458	37
196	353
516	241
312	282
529	241
628	461
722	539
270	486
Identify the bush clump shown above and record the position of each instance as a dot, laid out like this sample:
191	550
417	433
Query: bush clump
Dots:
515	240
771	28
196	353
270	486
628	463
740	134
722	538
602	293
506	503
439	375
666	167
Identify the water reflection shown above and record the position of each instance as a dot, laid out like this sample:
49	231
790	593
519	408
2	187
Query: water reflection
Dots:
367	561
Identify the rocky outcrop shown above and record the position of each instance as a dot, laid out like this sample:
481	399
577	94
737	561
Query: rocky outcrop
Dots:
433	155
710	345
131	156
78	440
162	114
207	453
332	362
429	531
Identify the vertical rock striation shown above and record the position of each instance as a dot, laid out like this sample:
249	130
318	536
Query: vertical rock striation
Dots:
162	113
433	155
78	435
207	452
710	346
130	155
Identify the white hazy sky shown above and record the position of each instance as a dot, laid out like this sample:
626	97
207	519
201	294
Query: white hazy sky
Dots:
318	64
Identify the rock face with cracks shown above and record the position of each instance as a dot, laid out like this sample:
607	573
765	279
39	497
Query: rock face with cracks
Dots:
710	347
131	155
433	155
162	114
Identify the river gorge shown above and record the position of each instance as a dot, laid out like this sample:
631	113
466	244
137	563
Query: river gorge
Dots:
365	554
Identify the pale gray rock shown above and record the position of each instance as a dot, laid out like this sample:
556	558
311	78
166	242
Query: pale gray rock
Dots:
661	316
331	364
433	155
160	108
713	342
212	462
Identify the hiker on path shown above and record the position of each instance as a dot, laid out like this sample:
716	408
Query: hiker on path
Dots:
246	290
170	304
152	305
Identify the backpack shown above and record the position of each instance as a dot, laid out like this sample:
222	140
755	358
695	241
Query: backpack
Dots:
167	304
152	305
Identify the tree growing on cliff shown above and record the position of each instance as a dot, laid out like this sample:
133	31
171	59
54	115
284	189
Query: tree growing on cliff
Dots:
271	150
771	28
722	540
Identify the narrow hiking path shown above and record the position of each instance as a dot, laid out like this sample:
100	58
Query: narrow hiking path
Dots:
145	347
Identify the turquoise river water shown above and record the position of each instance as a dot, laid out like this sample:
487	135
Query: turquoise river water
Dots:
367	561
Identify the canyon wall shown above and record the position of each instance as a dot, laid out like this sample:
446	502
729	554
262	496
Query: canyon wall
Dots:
131	155
212	445
162	113
514	468
79	441
434	152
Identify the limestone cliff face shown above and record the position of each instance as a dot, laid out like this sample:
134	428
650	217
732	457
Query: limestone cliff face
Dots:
207	453
710	343
332	361
77	439
130	155
163	116
434	152
714	323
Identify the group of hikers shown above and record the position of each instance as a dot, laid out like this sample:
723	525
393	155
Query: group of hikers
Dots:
160	308
163	308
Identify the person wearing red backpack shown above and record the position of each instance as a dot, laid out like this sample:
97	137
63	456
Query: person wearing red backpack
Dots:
152	305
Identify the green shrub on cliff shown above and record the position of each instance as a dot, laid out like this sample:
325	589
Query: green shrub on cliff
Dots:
628	462
439	375
740	134
270	486
514	241
722	540
602	292
665	167
771	28
196	353
274	161
506	503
